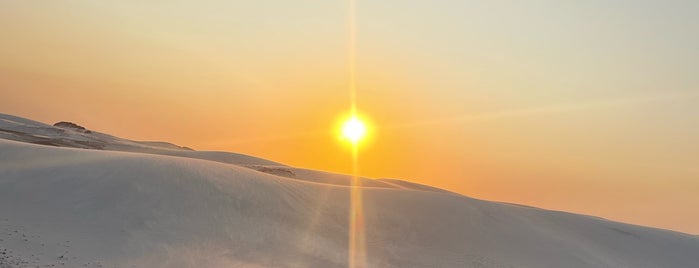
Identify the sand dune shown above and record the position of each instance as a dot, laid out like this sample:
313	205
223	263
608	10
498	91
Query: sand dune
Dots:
172	207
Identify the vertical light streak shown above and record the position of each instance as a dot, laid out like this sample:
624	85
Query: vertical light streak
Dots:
352	55
357	248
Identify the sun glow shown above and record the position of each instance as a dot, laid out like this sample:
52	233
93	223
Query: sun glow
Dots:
354	130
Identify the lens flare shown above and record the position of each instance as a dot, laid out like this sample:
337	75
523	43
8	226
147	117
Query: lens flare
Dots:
354	130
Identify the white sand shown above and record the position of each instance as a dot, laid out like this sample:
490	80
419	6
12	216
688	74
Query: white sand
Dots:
163	206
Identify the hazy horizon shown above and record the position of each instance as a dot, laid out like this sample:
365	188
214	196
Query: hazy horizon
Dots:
587	107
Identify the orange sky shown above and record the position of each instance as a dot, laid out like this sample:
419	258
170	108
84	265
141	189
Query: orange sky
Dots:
526	103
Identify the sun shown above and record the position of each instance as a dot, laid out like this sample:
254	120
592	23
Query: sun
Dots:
354	130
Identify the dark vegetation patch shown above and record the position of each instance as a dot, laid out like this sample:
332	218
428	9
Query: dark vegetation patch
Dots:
276	171
69	125
623	232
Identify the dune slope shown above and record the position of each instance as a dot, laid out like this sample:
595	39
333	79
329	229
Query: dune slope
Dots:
115	209
73	197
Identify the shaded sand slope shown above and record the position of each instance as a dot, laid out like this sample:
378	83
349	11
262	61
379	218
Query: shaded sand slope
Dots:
115	209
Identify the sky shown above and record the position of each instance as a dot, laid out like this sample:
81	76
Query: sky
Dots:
583	106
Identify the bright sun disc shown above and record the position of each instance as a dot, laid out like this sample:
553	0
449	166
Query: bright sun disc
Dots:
353	130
